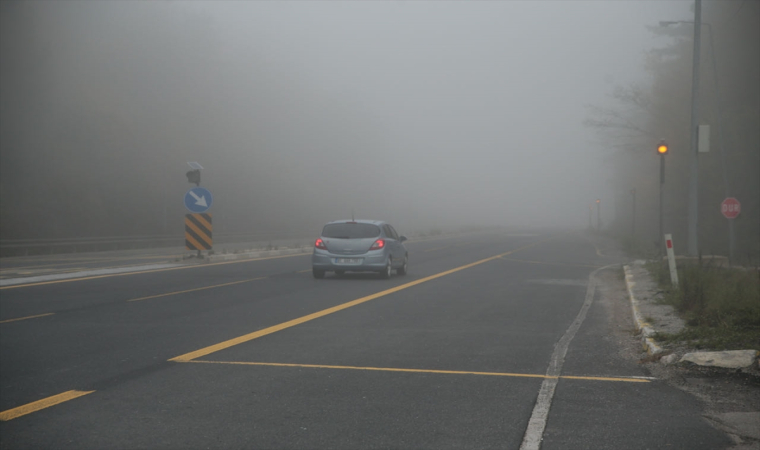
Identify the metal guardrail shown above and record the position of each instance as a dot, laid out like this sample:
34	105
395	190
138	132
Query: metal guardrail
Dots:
23	247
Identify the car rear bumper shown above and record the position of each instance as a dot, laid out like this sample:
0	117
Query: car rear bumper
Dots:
366	262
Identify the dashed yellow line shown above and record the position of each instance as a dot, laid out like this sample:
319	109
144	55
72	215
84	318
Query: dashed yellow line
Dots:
41	404
445	372
196	289
27	317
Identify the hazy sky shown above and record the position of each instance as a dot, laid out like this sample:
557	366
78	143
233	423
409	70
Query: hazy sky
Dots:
420	113
479	105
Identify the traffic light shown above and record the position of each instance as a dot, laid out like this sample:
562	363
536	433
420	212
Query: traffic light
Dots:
194	176
662	149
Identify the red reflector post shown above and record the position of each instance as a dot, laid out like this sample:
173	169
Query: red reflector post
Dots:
669	243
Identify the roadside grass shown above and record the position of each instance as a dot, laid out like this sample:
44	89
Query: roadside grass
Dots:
720	305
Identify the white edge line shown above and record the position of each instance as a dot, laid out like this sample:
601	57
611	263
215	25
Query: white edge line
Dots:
537	423
85	273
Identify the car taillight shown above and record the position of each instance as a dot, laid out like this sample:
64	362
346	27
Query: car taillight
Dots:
378	244
320	244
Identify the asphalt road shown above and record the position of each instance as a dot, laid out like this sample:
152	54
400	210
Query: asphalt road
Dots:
258	354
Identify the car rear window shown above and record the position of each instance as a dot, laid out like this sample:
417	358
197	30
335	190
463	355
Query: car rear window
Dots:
350	230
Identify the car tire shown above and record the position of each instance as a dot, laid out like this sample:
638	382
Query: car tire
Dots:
402	270
386	273
318	274
340	273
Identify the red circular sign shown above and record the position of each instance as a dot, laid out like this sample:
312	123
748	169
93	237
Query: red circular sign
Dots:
730	208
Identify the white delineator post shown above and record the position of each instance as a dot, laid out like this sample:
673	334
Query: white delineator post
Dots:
671	259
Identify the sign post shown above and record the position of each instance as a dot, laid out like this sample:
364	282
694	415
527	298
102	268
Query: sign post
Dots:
662	150
671	260
633	214
598	215
198	225
730	207
198	228
198	200
198	232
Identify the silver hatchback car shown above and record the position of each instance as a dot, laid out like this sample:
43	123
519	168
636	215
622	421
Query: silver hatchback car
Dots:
359	246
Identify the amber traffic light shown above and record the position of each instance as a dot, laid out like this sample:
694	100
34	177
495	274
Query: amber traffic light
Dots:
662	149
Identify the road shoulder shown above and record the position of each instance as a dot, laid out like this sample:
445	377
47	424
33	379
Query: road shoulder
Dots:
730	394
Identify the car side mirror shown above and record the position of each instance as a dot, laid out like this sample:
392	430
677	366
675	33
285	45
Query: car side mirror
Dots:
402	238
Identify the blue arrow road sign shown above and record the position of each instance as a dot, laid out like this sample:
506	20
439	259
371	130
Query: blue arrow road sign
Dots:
198	200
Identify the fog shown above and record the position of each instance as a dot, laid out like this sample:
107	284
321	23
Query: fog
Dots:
425	114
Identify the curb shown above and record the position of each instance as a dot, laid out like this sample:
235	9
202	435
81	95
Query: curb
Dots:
258	254
84	273
647	342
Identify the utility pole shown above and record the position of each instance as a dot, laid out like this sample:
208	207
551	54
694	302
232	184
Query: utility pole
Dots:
598	215
719	97
163	197
731	238
662	150
633	213
693	247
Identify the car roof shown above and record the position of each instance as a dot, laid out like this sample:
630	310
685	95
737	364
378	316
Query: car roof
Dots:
373	222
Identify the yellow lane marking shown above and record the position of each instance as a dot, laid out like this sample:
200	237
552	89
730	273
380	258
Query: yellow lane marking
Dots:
150	271
27	317
41	404
196	289
291	323
550	263
437	248
447	372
